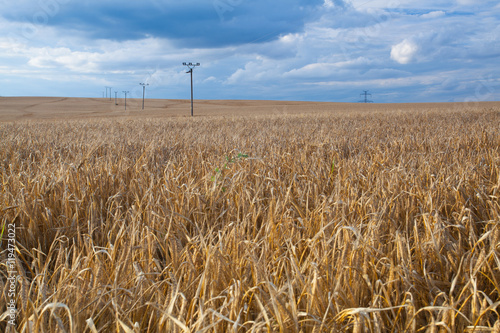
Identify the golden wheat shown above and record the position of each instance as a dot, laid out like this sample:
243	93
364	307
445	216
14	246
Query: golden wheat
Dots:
346	222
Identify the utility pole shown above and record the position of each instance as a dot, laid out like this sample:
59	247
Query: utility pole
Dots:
365	94
116	94
110	88
125	92
191	66
143	92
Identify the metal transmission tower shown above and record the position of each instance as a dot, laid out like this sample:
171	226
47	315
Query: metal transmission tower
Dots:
143	92
125	92
116	93
365	94
191	66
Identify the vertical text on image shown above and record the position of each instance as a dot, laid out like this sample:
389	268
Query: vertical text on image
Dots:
12	274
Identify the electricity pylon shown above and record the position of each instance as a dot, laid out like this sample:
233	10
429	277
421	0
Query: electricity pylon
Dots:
109	92
143	92
191	66
125	92
365	94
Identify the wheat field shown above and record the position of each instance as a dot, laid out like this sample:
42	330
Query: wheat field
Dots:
355	221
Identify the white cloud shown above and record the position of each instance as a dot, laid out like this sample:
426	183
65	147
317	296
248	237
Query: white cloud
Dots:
433	15
400	4
83	62
328	69
316	70
329	4
467	2
259	69
404	52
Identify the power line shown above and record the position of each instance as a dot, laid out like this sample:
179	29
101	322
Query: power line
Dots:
143	92
191	66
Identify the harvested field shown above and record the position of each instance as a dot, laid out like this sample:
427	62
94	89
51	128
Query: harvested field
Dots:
251	216
57	108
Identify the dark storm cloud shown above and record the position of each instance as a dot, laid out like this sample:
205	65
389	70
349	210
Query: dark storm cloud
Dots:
194	23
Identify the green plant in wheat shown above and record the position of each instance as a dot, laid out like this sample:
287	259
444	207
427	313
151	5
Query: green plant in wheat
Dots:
229	160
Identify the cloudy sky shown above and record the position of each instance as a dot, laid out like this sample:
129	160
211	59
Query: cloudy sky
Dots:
312	50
